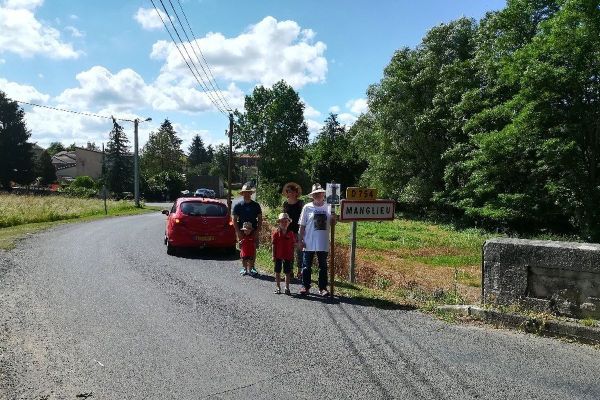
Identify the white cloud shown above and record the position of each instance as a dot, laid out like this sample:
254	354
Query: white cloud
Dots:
2	61
149	19
267	52
347	119
357	106
41	76
24	35
76	33
313	126
309	111
23	4
27	93
126	90
334	109
73	17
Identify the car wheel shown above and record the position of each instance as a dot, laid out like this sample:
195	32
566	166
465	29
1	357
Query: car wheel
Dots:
171	249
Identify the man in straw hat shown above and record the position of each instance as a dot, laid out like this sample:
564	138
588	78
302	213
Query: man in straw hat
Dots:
292	206
247	210
315	221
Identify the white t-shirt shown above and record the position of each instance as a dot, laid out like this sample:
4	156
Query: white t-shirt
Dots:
316	222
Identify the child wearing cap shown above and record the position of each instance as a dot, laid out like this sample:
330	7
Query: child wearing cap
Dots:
247	249
284	242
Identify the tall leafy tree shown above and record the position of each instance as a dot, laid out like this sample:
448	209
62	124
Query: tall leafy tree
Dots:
44	169
220	164
163	151
273	127
119	163
333	155
413	119
197	152
16	156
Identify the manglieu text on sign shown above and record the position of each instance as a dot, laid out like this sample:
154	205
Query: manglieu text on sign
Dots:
376	210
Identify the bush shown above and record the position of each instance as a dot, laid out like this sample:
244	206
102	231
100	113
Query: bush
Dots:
269	194
85	182
166	184
82	192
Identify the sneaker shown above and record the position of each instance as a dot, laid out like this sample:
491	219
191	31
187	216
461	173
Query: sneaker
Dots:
287	291
304	291
324	293
243	272
277	290
253	272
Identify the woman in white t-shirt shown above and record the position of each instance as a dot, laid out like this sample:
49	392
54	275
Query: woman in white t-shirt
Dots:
315	221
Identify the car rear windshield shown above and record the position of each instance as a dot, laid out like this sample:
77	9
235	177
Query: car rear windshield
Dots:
203	209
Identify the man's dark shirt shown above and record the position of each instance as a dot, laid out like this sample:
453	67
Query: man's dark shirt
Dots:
247	212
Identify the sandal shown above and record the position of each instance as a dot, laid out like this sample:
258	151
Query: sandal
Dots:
287	291
277	291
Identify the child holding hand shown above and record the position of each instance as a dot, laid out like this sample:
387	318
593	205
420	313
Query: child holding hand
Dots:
284	242
248	250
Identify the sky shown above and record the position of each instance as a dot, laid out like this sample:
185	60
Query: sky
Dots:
114	57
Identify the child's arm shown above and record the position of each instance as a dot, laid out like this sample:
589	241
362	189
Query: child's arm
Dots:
273	245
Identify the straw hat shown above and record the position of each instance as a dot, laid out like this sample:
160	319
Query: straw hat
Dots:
283	216
291	185
247	226
316	188
247	188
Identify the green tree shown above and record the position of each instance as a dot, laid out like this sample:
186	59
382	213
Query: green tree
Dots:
220	164
119	163
412	120
541	168
162	152
44	169
55	147
273	127
333	155
16	156
197	152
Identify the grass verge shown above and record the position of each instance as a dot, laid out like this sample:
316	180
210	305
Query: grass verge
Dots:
401	263
24	215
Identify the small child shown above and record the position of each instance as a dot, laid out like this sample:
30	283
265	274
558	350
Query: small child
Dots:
247	250
284	242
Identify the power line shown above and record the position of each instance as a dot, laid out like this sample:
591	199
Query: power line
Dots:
223	99
205	88
70	111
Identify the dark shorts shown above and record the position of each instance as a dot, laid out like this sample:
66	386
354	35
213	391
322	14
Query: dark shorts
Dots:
248	258
287	266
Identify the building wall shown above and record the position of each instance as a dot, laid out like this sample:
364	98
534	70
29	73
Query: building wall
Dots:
89	163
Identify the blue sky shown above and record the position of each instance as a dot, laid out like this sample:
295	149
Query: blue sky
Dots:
114	57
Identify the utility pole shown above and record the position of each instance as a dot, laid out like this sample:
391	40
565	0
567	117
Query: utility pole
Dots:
136	171
136	162
230	161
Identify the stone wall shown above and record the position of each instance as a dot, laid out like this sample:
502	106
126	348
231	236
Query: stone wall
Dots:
561	277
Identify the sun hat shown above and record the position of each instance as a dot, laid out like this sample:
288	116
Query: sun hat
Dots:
316	188
290	185
283	216
247	188
247	226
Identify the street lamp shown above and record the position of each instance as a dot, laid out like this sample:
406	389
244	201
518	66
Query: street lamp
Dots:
136	164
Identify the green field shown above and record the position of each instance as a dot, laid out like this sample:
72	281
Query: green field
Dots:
404	260
21	215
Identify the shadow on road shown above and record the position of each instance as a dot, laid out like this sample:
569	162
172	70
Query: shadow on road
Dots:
207	254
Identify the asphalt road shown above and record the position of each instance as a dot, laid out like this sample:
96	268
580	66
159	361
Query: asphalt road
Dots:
99	308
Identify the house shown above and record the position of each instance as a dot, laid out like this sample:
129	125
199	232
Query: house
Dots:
78	162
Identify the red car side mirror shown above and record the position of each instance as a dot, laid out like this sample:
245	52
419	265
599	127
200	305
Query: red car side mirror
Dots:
166	212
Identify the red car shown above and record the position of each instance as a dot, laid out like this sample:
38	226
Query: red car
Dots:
199	222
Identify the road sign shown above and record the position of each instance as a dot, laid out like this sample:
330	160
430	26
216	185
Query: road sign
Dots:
332	193
361	194
375	210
